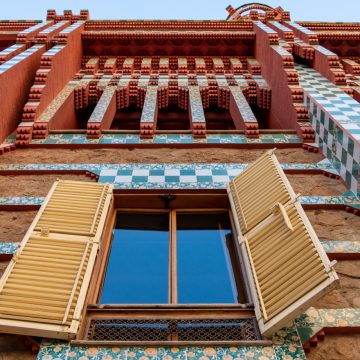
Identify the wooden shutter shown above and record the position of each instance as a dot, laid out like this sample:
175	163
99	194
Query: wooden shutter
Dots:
257	189
43	289
287	264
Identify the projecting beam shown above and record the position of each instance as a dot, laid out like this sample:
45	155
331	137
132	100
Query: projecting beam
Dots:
196	112
149	113
103	114
241	113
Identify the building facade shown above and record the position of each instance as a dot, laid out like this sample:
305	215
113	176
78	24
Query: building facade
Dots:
179	189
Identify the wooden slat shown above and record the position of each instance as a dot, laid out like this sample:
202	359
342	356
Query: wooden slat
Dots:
256	190
45	282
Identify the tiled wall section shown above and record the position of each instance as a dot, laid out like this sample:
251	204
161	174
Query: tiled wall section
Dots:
168	139
16	59
163	176
331	247
347	200
286	343
335	117
65	352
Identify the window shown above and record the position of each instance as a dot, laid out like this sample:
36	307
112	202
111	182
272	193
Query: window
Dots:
172	257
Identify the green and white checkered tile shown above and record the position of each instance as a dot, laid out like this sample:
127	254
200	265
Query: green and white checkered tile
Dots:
335	117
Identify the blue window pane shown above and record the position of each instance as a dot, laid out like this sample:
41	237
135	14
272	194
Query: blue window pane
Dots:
206	259
137	271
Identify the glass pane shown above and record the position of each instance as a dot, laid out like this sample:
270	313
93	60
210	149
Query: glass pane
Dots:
206	260
137	271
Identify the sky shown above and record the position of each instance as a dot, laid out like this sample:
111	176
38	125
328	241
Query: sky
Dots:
309	10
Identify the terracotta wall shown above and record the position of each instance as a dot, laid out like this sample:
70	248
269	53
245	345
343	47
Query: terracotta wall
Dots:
14	87
283	114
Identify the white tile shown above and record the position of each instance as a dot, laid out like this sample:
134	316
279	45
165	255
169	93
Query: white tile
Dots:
338	150
108	172
172	172
343	171
141	172
156	179
356	152
221	178
354	185
349	162
233	172
123	179
203	172
188	178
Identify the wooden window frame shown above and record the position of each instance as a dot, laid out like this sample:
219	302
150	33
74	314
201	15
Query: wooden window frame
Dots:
95	310
172	270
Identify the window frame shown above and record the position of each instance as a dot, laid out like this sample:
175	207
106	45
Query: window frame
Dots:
172	256
94	310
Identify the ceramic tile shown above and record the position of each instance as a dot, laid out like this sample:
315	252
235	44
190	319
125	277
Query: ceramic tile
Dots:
335	117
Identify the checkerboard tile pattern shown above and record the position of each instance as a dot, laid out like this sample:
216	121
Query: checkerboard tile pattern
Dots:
171	176
335	117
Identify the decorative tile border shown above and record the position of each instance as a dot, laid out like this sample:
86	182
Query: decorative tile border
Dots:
21	201
331	247
72	27
64	352
196	106
149	110
8	248
347	317
16	59
56	104
101	108
10	52
53	27
34	28
336	247
335	117
353	201
185	173
56	139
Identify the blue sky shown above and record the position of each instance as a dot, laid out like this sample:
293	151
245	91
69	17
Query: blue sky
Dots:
320	10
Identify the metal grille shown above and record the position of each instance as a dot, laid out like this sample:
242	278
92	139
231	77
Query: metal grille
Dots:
173	330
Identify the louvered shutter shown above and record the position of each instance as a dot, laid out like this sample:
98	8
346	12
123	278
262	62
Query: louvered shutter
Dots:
43	289
287	265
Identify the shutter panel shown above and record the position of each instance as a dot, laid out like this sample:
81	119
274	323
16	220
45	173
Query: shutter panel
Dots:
253	196
43	289
287	264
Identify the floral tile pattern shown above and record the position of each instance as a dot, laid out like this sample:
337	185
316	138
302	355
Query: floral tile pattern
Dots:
21	200
8	248
56	104
62	351
102	105
196	107
290	352
242	105
53	139
150	104
335	247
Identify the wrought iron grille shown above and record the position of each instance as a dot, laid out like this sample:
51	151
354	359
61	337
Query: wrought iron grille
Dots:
241	329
